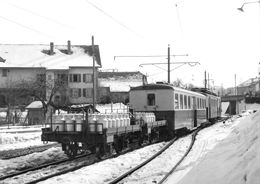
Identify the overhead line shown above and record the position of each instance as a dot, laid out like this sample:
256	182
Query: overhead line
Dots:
39	15
111	17
26	27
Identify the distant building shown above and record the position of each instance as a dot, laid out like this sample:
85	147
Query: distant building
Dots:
116	85
35	114
70	67
249	87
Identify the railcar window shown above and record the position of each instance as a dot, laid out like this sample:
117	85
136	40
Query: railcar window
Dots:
150	99
198	103
181	101
189	105
185	102
176	101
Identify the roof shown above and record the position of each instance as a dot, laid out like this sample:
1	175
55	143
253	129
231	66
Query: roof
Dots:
163	87
34	105
135	74
38	55
120	81
249	82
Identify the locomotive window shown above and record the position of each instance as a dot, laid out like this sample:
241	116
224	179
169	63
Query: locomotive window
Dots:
176	101
150	99
181	101
189	105
185	102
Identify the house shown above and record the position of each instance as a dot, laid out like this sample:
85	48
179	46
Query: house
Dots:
249	88
35	113
116	85
65	70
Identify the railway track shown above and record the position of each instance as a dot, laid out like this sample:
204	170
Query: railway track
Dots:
63	167
36	170
135	169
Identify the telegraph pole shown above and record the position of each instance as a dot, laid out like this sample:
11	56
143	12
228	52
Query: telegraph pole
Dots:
205	78
169	65
94	83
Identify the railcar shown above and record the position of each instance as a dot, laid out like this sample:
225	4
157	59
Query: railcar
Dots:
183	109
102	133
213	104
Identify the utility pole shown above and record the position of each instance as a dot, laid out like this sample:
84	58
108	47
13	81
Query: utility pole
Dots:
208	81
205	78
169	65
94	82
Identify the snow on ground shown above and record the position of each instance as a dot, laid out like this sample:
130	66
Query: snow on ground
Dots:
235	159
103	172
223	153
31	160
19	138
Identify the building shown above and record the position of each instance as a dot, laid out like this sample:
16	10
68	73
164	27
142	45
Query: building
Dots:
249	87
116	85
65	71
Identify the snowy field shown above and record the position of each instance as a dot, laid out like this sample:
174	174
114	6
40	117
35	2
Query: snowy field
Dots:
222	153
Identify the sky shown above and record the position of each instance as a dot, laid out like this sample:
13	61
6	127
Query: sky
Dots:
225	41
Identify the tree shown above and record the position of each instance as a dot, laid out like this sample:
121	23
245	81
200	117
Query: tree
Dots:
44	90
178	83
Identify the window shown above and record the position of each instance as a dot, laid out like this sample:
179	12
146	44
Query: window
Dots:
150	99
62	77
41	78
49	77
4	74
181	101
87	78
176	101
185	102
87	92
198	103
75	78
75	92
189	104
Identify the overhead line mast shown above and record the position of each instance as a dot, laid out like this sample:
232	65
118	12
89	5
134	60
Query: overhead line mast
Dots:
168	63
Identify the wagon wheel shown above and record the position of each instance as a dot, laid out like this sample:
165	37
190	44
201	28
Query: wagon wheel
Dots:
71	149
118	145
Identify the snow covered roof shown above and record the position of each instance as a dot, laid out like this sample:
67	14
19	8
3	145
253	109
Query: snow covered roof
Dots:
37	55
120	81
34	105
249	82
119	86
121	75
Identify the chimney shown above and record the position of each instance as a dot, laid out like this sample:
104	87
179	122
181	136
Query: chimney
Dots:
51	48
69	47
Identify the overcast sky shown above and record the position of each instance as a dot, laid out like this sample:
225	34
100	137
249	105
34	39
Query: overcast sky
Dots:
213	32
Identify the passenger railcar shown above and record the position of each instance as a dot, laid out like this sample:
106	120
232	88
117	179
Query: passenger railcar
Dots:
183	109
213	104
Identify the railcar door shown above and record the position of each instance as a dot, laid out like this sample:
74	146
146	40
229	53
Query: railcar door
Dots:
194	106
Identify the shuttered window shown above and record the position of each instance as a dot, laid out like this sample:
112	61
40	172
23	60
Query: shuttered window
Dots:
87	78
75	78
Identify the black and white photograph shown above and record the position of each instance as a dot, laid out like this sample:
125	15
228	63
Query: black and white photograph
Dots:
129	92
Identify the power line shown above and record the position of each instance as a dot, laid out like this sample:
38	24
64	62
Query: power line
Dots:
26	27
111	17
39	15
